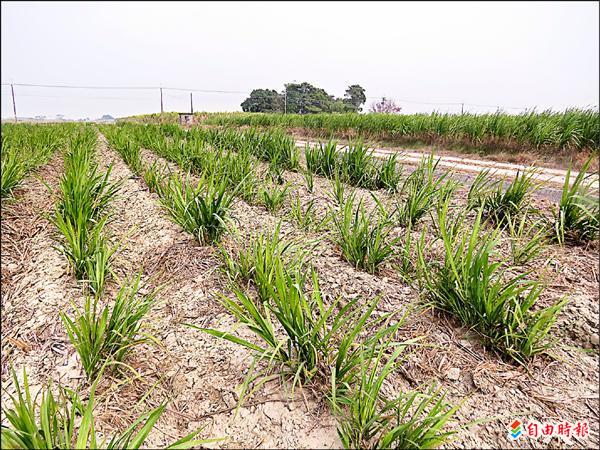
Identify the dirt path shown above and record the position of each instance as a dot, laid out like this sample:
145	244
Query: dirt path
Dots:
197	372
465	169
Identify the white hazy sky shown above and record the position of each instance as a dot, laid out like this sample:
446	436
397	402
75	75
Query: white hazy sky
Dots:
507	54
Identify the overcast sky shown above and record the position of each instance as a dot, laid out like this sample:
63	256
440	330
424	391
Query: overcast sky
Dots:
506	54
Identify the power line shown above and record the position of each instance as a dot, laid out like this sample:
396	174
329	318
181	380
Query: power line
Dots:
64	86
88	97
68	86
220	91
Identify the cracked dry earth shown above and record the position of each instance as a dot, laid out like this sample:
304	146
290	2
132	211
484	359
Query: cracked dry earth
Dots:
200	375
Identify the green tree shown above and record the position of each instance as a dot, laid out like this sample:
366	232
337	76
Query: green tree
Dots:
304	98
263	100
355	97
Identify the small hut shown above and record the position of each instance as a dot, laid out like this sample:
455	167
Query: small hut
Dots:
186	118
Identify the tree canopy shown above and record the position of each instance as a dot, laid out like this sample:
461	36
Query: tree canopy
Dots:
263	100
355	96
304	98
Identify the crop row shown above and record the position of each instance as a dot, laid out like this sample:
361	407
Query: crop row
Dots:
576	218
573	128
26	147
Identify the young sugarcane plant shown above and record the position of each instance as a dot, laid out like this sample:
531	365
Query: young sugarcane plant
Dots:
318	344
497	201
357	166
363	238
256	259
310	181
409	248
154	176
103	336
323	159
65	421
421	191
338	189
306	216
273	196
527	238
470	285
577	217
390	174
12	168
81	213
202	210
25	147
410	420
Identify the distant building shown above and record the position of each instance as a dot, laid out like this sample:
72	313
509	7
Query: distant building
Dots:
106	118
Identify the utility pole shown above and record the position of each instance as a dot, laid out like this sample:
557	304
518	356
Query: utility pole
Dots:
161	102
191	103
12	90
285	101
462	108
